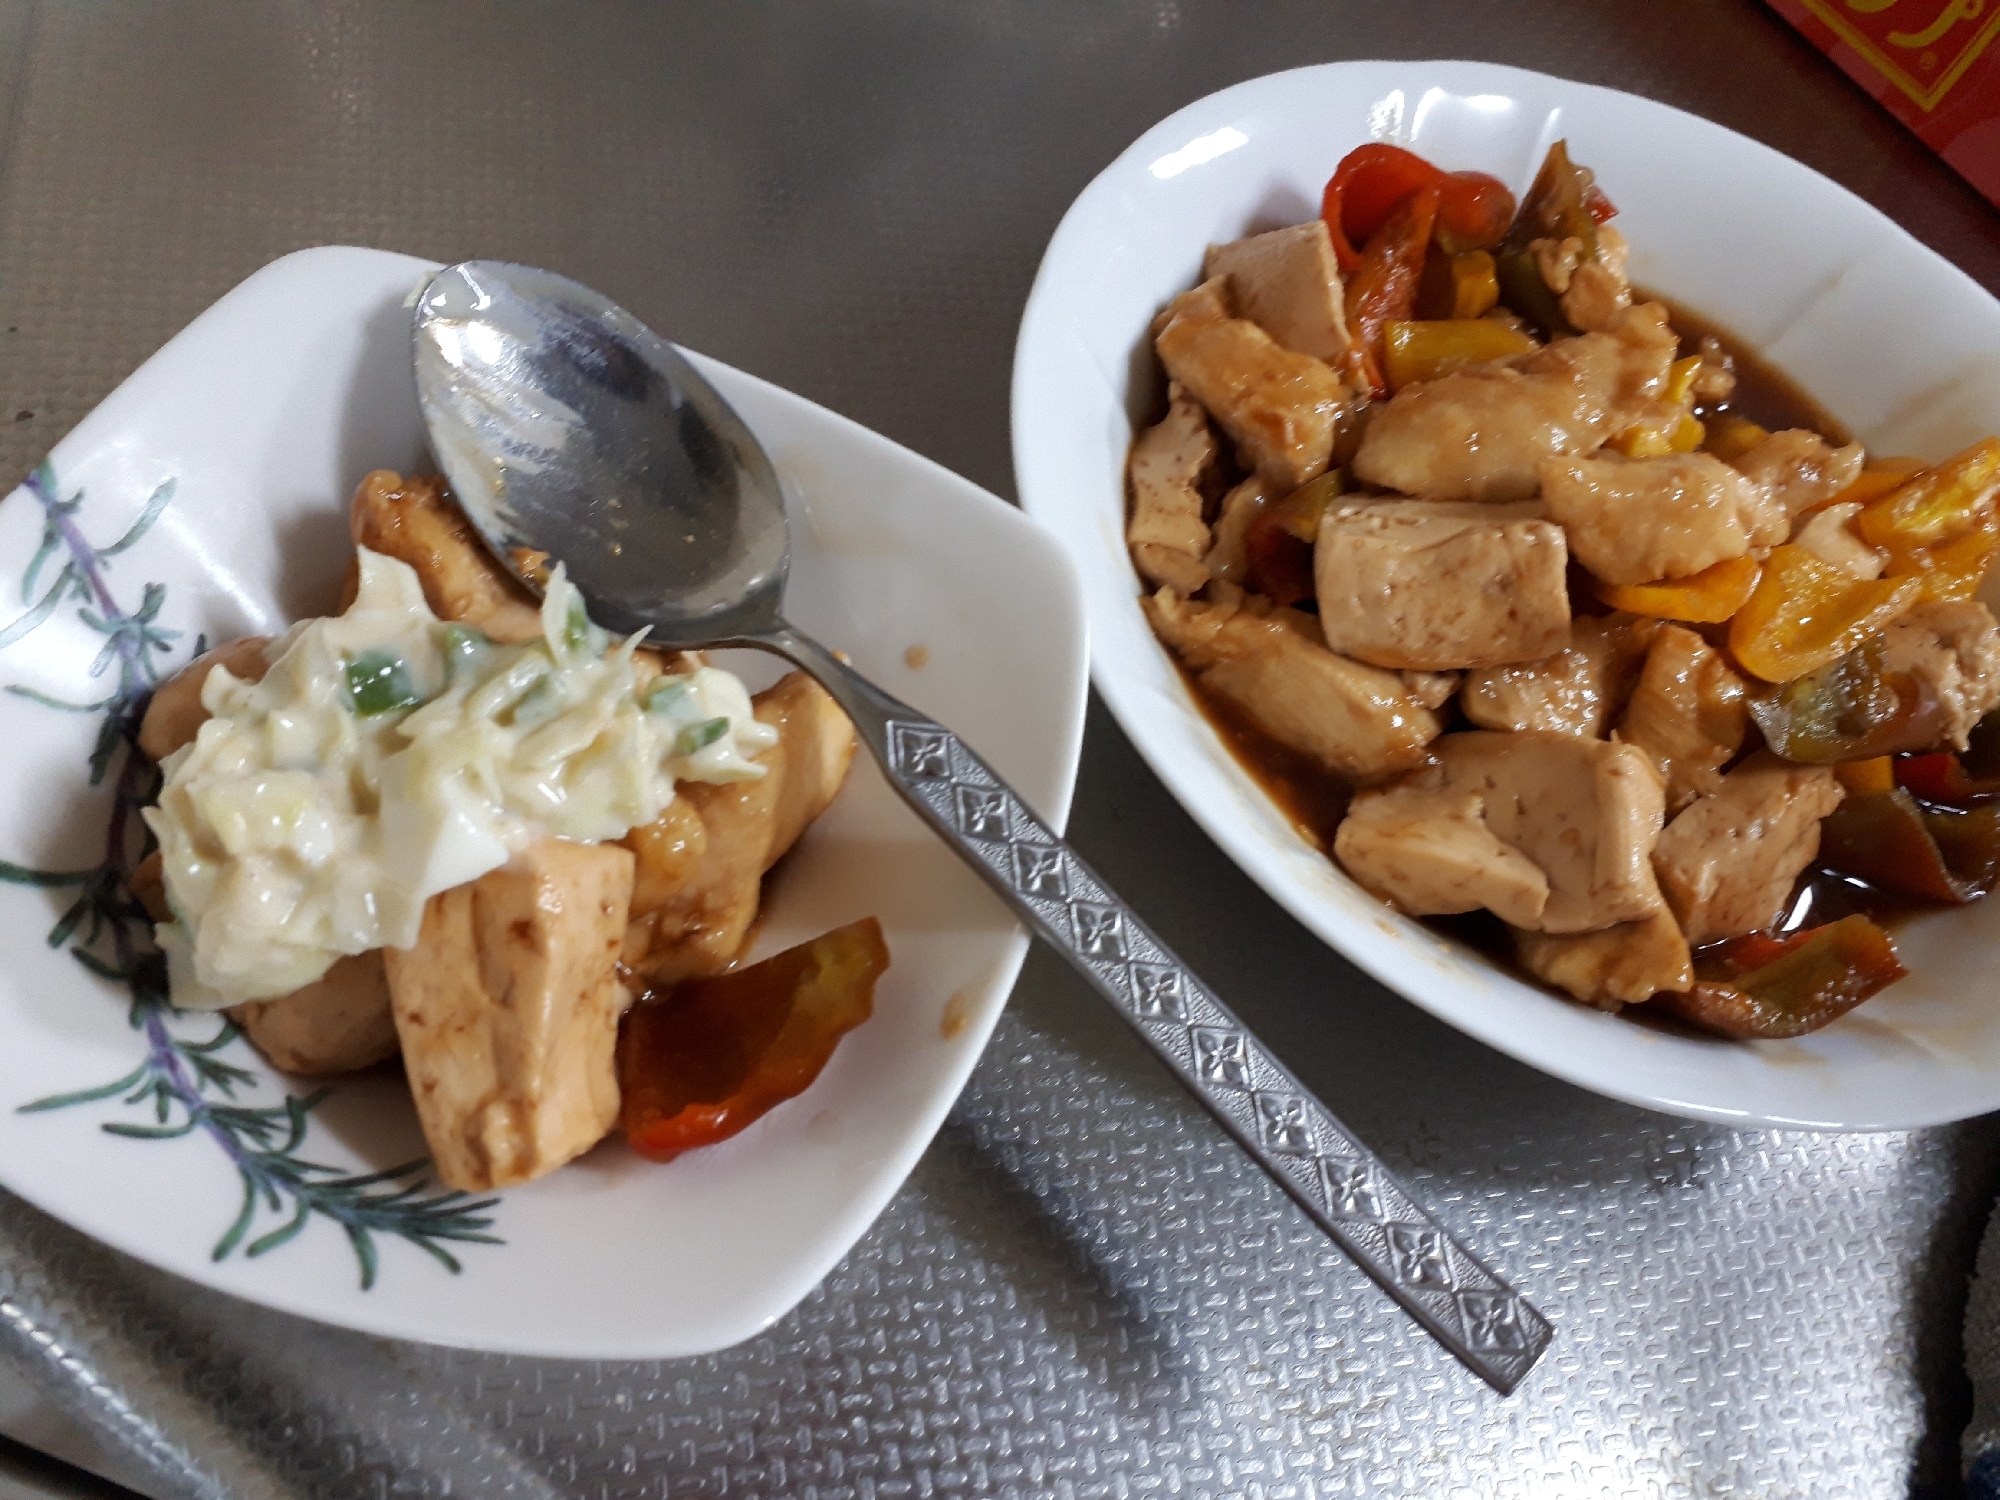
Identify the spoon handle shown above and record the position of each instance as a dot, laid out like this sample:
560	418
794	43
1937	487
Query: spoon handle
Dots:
1489	1326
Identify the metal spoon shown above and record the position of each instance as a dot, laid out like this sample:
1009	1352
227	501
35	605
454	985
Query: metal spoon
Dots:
566	426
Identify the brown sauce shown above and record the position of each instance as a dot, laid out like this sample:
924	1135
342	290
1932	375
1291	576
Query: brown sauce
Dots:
1764	394
1314	800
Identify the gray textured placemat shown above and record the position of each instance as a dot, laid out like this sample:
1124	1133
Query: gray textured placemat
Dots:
1080	1292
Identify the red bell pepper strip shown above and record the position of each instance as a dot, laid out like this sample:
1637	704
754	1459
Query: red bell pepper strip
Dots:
715	1054
1365	189
1384	288
1474	211
1945	777
1771	987
1892	843
1278	547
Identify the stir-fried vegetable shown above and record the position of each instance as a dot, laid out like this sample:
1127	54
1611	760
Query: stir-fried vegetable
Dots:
1372	181
1945	777
1866	778
1807	612
1729	436
1934	506
1416	351
1563	204
1383	288
1765	987
1705	598
1851	709
1890	841
1457	286
700	1065
1278	547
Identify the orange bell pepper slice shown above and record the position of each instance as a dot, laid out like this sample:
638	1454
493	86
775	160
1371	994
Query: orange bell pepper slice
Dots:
1872	483
1939	504
1805	613
715	1054
1953	569
1705	598
1866	778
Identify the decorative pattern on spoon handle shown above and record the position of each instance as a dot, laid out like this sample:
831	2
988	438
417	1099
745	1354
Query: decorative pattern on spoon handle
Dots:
1496	1332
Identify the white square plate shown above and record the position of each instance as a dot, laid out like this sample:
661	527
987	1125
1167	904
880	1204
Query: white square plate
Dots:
1899	344
255	424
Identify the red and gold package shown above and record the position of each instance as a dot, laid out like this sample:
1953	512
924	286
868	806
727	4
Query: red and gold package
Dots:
1930	63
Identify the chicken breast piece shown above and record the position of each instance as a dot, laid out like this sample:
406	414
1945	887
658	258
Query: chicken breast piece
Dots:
1828	535
1272	665
1430	853
1287	283
1482	433
340	1023
1952	650
1638	520
1596	290
418	522
1727	864
507	1009
1167	535
1279	408
702	862
1432	689
1690	712
1623	965
1578	690
1799	469
175	715
1438	587
1586	813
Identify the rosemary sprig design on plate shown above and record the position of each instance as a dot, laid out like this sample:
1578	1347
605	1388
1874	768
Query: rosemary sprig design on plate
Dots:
189	1086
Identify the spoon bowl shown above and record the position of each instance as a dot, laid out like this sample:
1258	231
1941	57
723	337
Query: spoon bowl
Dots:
569	429
567	426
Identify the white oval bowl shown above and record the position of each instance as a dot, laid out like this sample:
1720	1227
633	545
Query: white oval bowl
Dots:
1894	340
265	412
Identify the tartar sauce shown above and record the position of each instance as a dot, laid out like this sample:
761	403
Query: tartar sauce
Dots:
387	756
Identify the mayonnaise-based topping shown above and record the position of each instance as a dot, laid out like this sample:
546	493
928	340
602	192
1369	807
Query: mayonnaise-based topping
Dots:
387	756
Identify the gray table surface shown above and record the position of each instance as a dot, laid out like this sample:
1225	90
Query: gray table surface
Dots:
1080	1292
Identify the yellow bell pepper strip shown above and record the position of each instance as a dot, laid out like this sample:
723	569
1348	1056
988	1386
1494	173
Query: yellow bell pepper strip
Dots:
1867	778
1475	286
1806	613
1655	439
1278	547
1456	286
1705	598
1417	351
1680	380
1949	856
1730	436
1938	505
715	1054
1771	988
1850	710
